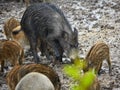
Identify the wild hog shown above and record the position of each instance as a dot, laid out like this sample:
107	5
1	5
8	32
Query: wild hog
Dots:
96	55
9	25
47	22
10	51
35	81
18	72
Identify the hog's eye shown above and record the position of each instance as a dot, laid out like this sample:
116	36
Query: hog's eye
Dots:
71	45
76	45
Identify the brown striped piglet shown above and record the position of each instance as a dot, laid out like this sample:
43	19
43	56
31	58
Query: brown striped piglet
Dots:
35	81
96	55
11	51
18	72
9	25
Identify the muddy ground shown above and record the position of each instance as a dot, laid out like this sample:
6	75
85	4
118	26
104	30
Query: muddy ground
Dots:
96	20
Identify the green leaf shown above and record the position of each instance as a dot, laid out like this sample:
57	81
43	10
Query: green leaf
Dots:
72	71
81	81
79	63
87	79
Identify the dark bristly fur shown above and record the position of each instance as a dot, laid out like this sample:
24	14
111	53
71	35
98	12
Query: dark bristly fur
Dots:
20	36
10	51
47	22
18	72
96	55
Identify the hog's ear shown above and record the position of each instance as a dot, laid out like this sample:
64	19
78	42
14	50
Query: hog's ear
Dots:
75	37
75	31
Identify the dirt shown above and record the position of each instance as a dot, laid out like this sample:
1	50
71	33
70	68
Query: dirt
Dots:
96	20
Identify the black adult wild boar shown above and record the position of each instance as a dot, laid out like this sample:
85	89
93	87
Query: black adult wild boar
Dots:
47	22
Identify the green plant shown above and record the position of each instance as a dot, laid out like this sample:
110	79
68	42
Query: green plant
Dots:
80	80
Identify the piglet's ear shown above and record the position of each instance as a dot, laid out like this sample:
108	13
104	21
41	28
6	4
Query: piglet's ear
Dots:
17	28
